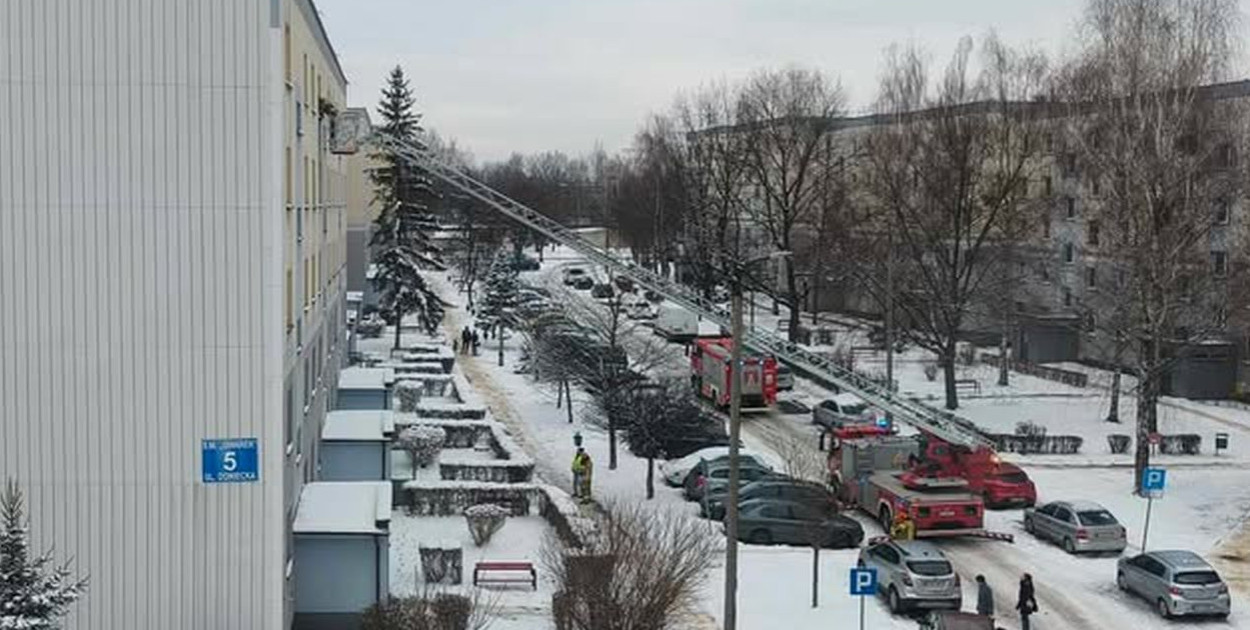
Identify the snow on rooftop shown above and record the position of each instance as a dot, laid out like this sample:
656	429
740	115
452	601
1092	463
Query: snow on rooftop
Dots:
344	507
364	425
365	378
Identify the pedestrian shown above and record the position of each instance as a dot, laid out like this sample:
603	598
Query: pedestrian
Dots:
579	470
455	346
464	340
588	471
985	598
476	340
1026	603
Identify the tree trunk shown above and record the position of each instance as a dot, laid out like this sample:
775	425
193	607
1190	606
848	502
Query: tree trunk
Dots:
499	333
1114	414
948	370
1003	361
815	573
650	478
568	399
1147	409
559	393
399	320
611	442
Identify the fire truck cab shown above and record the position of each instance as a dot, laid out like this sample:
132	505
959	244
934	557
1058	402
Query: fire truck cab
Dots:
711	374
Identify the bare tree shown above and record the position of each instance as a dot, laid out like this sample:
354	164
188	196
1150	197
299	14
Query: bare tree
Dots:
1147	129
947	171
644	570
655	417
785	118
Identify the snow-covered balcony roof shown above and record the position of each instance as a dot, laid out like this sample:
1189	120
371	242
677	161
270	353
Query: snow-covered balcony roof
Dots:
366	378
365	425
344	507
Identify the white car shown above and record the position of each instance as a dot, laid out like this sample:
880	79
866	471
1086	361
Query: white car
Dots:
674	471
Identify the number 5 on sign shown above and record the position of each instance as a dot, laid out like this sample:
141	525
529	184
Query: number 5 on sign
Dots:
230	461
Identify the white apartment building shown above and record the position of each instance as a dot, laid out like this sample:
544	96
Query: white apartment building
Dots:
172	247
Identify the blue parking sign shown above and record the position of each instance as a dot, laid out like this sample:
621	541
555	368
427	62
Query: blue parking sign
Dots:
863	581
1153	479
230	461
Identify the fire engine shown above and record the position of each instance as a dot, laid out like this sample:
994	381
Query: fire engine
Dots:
712	374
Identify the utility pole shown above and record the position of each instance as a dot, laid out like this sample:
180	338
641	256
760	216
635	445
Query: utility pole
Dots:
735	431
889	312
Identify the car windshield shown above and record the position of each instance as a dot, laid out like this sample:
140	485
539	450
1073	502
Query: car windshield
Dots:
1197	577
1096	517
854	410
1013	477
929	567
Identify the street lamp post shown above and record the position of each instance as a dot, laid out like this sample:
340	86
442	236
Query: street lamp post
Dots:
735	432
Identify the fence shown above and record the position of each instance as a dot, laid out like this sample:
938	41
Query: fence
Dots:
1058	375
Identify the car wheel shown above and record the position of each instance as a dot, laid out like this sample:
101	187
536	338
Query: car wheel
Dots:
1164	611
761	537
896	604
1068	546
1121	582
1028	526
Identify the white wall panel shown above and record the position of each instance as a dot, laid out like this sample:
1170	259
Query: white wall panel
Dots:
139	198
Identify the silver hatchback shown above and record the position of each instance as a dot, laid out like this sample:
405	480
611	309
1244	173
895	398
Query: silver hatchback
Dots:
1076	526
912	574
1176	582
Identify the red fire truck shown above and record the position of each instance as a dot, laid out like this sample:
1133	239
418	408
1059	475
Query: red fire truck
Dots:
1000	484
873	474
712	374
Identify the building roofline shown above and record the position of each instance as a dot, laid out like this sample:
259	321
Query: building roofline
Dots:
309	9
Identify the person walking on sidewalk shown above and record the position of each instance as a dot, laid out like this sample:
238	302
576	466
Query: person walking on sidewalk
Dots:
476	340
1026	603
985	598
464	340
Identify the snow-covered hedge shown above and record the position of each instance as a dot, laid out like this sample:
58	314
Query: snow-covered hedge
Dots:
450	411
1037	444
484	520
505	471
448	498
408	395
423	443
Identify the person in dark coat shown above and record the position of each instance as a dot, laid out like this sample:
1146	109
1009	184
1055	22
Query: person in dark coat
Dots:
465	340
985	597
1026	603
476	340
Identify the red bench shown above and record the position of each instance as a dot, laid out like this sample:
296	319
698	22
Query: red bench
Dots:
505	567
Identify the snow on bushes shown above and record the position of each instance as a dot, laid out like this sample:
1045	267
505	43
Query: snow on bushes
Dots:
408	395
423	443
484	520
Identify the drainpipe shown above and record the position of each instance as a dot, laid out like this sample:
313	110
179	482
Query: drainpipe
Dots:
377	569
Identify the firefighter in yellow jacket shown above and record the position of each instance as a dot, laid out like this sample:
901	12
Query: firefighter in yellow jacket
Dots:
583	469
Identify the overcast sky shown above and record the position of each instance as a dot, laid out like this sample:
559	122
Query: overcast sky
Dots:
533	75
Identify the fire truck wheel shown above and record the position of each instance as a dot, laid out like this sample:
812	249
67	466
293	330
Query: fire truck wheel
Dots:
885	519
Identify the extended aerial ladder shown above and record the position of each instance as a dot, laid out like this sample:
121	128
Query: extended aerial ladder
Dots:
924	418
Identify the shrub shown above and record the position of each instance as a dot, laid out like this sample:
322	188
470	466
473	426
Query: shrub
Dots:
1118	443
930	370
1037	444
431	610
423	443
407	395
1183	444
967	354
484	520
1029	429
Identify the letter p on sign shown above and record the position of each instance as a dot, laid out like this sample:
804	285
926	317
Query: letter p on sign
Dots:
863	581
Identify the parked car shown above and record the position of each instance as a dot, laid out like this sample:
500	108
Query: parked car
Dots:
640	310
521	262
712	505
769	521
676	470
652	296
572	274
602	291
785	377
912	574
842	409
955	620
711	475
1175	582
583	283
1076	526
624	283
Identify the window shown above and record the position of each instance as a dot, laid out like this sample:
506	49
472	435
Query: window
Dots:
1069	253
1221	212
1094	187
1071	205
290	298
1091	277
287	174
286	52
1091	233
289	410
1063	514
1067	296
1046	225
1219	263
887	553
1069	164
1047	186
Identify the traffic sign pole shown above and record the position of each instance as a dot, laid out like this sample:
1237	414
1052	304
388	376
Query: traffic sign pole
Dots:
1152	484
1150	500
861	612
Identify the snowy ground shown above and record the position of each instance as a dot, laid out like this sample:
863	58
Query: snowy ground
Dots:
1207	500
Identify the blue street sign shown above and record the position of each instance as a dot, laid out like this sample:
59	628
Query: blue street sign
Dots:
230	461
863	581
1154	479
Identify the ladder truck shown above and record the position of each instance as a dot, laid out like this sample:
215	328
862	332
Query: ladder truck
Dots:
352	130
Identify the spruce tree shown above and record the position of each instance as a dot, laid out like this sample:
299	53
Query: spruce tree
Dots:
32	597
497	309
401	234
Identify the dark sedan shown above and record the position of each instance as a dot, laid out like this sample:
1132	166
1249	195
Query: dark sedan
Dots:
769	521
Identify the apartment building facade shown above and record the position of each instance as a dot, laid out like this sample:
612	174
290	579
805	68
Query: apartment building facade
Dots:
175	223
